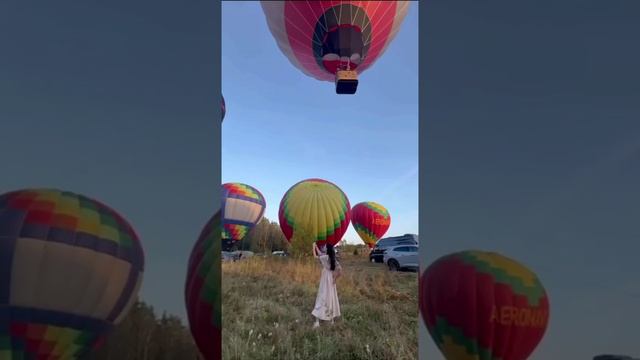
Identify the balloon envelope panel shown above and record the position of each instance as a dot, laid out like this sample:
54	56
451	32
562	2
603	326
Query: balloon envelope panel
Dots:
202	290
319	37
317	207
371	221
70	268
482	305
242	208
224	109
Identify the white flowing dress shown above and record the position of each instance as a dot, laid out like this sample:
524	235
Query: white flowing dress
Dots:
327	305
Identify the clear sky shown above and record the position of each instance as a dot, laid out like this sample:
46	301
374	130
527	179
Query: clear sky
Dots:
532	149
282	126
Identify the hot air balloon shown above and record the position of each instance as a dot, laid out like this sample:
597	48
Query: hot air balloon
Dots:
202	291
482	305
70	269
242	208
371	221
224	108
317	207
334	40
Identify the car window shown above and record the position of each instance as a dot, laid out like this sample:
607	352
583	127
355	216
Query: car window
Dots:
406	242
401	249
412	248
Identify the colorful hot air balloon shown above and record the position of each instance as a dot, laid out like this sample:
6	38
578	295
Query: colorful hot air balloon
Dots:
334	40
70	268
371	221
202	291
318	207
481	305
224	108
242	208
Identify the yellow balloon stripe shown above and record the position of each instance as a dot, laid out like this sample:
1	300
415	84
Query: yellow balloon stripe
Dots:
511	267
451	350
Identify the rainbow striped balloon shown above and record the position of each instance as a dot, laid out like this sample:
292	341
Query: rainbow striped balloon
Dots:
371	221
70	268
242	208
483	306
202	291
317	207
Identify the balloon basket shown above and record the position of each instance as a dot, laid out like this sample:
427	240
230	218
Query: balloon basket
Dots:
346	82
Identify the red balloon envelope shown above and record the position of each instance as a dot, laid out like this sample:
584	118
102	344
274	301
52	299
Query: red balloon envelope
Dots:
371	221
202	291
334	40
482	305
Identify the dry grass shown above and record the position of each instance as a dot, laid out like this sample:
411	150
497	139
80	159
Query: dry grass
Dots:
267	305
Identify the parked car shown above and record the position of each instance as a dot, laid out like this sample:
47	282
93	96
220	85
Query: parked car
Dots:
228	256
279	253
403	257
377	253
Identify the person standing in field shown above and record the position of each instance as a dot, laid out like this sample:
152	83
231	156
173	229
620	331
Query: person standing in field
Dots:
327	305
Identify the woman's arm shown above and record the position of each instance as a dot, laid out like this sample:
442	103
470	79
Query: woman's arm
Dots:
337	272
315	250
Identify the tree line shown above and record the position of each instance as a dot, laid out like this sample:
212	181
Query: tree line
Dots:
143	335
267	237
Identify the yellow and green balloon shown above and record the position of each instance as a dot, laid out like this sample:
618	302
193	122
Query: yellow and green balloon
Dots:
317	207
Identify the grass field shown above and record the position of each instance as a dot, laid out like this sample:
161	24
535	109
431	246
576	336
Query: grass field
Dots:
267	303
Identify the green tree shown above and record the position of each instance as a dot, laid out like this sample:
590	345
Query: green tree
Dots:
301	242
265	237
277	240
141	336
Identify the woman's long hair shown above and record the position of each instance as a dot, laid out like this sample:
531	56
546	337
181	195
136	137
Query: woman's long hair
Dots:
332	256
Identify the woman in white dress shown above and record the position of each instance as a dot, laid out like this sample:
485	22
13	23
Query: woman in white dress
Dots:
327	305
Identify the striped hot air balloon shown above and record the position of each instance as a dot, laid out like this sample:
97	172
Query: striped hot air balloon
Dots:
242	208
70	268
202	291
334	40
371	221
483	306
317	207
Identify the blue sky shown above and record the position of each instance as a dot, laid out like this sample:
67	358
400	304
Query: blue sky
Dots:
282	126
